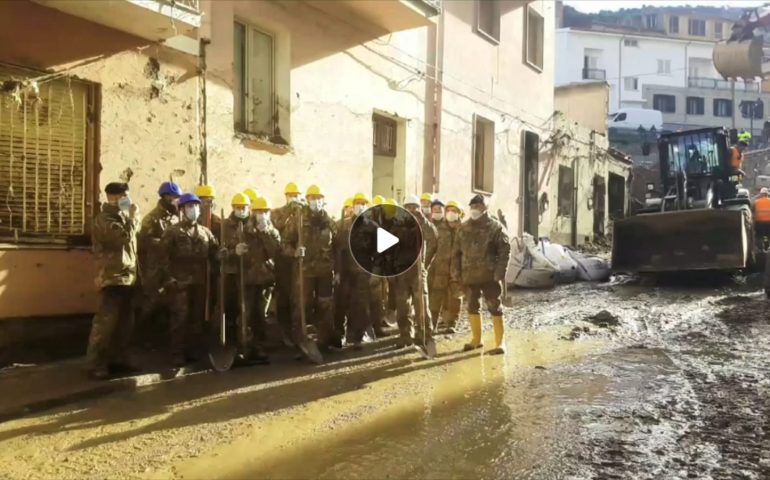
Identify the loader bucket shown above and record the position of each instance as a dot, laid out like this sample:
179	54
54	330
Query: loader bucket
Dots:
739	59
681	241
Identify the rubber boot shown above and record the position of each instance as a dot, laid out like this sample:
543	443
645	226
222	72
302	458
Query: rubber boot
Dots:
497	323
475	320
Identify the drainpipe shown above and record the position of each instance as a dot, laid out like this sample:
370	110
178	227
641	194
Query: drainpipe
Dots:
687	78
439	73
202	105
620	72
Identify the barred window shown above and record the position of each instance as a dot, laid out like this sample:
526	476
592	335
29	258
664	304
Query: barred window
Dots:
43	156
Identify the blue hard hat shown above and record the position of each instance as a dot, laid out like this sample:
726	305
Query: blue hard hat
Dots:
169	188
188	198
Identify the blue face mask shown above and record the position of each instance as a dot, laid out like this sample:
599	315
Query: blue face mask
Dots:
124	204
192	212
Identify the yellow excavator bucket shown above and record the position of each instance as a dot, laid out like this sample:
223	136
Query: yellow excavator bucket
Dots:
683	240
739	59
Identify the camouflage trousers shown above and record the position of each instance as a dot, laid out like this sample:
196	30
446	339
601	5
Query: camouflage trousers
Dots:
112	327
318	307
187	305
492	292
356	290
284	281
254	298
408	288
377	298
444	298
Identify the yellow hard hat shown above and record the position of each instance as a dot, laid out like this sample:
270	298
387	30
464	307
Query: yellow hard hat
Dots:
452	203
260	203
291	187
348	202
205	191
391	201
360	197
314	190
240	200
252	193
378	200
426	197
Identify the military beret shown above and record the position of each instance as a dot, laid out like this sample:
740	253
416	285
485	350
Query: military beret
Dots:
116	188
478	199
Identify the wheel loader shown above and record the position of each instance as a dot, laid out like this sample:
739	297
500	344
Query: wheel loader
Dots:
744	55
699	216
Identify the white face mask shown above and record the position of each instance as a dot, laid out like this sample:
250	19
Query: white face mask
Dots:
263	217
426	211
476	214
452	216
437	216
316	205
358	209
241	212
124	204
192	212
292	200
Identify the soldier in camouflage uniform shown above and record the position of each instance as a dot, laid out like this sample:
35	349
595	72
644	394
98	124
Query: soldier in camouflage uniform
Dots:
114	246
341	301
352	279
318	235
154	224
479	262
284	264
187	247
407	285
444	294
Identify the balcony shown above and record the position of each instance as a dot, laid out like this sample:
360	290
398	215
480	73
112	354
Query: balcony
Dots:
388	15
719	84
594	74
153	20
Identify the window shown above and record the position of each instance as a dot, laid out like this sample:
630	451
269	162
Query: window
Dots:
631	83
384	136
534	29
664	67
695	106
664	103
46	152
566	191
718	30
483	154
697	27
621	117
673	24
488	19
254	90
630	42
723	107
651	22
751	108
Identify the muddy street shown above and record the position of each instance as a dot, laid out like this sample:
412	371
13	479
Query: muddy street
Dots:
600	381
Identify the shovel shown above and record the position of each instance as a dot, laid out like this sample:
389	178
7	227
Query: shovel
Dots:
243	324
307	346
425	348
222	355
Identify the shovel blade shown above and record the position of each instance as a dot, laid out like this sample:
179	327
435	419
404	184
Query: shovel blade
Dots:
221	357
311	351
427	351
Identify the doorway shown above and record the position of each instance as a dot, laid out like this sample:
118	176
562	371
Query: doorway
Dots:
600	194
531	212
617	196
388	154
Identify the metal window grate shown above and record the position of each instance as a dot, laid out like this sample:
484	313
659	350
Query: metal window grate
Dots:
42	160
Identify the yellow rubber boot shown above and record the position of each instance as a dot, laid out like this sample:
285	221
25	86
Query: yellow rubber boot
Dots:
475	320
497	323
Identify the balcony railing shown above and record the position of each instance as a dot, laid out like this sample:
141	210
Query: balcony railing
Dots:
594	74
719	84
430	7
193	5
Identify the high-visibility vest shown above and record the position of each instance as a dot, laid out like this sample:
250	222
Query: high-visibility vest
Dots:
762	210
736	158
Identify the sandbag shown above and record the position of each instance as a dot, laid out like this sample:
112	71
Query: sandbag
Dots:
591	268
529	268
558	256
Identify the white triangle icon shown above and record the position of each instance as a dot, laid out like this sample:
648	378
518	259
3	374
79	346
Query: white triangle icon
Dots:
385	240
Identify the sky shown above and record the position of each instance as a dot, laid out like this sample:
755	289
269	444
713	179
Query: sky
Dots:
592	6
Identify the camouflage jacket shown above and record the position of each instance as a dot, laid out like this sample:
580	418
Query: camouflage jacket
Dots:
216	222
363	239
114	246
233	236
263	248
187	247
279	216
442	262
318	235
481	251
153	225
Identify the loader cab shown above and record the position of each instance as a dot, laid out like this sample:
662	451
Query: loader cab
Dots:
695	170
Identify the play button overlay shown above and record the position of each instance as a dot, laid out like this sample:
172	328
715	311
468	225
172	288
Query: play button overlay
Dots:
385	240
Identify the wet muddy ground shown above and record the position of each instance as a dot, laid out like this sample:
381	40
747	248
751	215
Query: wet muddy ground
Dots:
619	380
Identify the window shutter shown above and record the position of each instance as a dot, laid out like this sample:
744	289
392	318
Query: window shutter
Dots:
42	159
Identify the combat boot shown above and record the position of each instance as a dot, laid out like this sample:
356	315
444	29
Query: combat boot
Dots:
475	320
497	323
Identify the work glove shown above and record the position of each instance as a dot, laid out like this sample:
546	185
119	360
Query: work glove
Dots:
170	284
241	249
499	276
263	226
133	211
337	279
222	254
299	252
